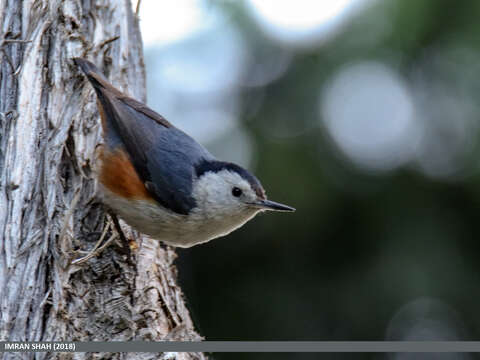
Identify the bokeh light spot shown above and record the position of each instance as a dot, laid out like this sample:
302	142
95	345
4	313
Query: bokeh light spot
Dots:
165	22
303	21
368	112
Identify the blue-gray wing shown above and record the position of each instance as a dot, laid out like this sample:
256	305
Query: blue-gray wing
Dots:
164	156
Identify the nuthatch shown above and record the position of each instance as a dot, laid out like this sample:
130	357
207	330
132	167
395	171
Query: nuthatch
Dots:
161	181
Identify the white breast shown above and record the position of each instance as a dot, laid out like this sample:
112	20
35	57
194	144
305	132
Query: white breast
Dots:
174	229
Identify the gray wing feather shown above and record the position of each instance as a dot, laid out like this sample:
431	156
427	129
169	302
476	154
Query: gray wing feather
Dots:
164	157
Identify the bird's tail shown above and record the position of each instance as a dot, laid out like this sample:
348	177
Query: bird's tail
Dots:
94	75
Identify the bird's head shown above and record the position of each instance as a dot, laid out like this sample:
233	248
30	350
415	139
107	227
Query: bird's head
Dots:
224	189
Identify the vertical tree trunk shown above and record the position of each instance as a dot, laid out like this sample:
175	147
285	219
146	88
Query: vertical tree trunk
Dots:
49	131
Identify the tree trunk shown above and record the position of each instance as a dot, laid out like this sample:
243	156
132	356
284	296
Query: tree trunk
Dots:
49	132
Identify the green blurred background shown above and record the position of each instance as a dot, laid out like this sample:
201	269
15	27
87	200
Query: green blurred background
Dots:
367	122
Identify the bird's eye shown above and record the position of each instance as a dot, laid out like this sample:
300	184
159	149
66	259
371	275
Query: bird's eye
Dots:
236	192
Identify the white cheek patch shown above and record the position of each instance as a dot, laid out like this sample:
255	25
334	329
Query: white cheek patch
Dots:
213	193
219	185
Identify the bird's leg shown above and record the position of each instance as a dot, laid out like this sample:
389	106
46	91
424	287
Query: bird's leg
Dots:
125	243
118	228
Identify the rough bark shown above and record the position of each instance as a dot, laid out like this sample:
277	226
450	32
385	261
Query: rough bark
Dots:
49	132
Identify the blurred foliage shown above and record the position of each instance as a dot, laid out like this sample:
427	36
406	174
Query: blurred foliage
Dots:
362	245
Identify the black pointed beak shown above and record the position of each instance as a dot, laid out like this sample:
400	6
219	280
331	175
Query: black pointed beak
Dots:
272	205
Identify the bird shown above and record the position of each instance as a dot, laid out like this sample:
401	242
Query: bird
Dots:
161	181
